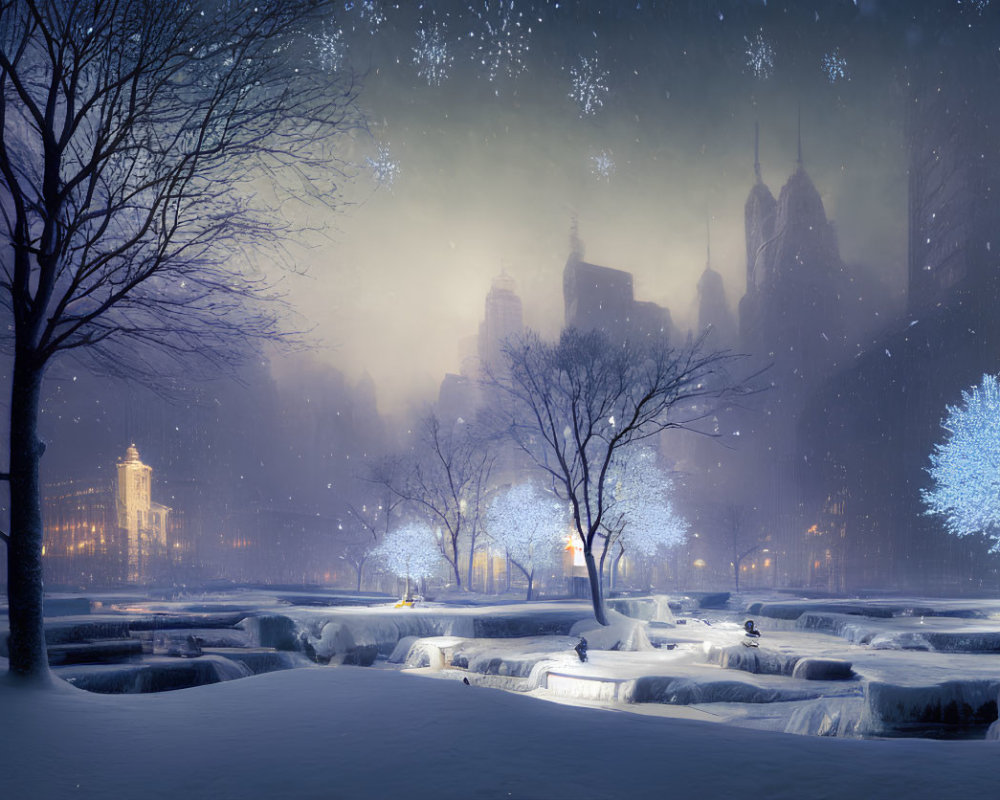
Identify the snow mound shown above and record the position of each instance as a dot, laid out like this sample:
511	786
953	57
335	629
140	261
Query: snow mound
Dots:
899	640
343	644
685	691
757	660
823	669
622	633
655	608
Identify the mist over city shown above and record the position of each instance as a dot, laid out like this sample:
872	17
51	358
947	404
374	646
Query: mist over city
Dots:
579	349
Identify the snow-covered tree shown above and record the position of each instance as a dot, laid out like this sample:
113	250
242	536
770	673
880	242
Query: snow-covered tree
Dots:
578	405
965	468
640	519
410	552
529	524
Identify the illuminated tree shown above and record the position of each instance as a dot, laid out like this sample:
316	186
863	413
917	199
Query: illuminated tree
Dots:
578	406
965	468
410	552
148	150
640	518
529	525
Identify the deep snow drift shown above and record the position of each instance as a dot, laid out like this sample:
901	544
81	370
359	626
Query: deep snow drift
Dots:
345	732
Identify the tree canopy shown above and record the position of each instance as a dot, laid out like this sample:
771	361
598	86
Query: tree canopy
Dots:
965	467
582	404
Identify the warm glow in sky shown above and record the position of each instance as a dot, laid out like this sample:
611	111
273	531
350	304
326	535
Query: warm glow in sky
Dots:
490	173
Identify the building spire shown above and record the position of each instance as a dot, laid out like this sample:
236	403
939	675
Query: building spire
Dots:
708	241
756	150
799	159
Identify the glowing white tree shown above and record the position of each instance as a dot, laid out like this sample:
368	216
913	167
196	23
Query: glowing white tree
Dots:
965	467
529	524
641	519
410	552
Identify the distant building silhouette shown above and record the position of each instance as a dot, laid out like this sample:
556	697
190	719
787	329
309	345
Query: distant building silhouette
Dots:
602	298
503	320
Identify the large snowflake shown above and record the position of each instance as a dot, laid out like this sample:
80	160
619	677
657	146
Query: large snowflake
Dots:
431	56
965	468
330	49
383	167
975	5
759	55
501	36
602	165
589	85
835	66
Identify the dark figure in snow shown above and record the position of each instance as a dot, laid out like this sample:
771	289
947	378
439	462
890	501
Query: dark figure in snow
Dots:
751	632
581	649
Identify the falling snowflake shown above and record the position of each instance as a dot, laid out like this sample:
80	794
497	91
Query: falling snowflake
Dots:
974	5
501	38
602	166
383	168
835	66
431	55
589	85
760	55
329	49
373	13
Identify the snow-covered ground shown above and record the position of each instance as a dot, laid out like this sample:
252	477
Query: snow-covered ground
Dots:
843	669
350	732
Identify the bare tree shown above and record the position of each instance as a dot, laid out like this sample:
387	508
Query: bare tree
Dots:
445	478
577	405
368	523
742	543
145	152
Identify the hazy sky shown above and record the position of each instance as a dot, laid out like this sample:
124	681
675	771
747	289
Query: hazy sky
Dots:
490	172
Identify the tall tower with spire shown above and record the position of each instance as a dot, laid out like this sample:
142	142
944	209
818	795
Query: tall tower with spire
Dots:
713	310
504	319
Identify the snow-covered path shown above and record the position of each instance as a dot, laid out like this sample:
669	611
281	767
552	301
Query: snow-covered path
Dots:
343	732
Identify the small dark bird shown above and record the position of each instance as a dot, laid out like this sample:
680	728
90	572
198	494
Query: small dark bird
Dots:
466	681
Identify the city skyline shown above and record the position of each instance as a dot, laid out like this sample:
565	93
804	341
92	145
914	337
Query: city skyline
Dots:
461	180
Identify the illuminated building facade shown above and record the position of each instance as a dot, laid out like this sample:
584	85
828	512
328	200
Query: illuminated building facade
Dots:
82	542
106	534
143	521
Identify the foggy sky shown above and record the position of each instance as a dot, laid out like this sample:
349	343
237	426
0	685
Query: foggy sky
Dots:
491	173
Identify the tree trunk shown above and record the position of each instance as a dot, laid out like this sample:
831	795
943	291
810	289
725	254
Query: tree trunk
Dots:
26	644
596	595
360	567
531	577
736	574
614	569
472	556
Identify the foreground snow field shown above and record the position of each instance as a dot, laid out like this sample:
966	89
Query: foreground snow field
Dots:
350	732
